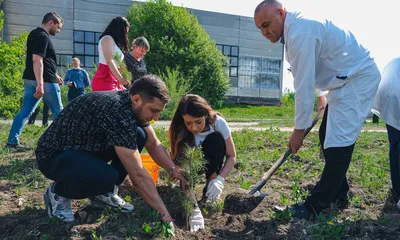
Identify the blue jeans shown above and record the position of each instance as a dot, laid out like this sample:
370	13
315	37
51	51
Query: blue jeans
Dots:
394	155
52	97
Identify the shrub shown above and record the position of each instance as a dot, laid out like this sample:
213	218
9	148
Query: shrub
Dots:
177	87
288	98
178	41
12	62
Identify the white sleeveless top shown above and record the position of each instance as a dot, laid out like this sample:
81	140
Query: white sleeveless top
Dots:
101	54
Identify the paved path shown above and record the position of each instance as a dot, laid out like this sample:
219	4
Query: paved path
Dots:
235	126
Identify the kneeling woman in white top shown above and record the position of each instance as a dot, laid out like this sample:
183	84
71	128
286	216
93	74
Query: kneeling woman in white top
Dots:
196	123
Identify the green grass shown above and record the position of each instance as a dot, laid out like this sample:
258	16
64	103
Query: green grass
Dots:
238	112
256	152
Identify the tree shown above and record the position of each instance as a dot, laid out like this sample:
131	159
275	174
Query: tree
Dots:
12	63
178	41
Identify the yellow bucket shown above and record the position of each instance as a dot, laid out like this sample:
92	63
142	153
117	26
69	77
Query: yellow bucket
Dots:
150	166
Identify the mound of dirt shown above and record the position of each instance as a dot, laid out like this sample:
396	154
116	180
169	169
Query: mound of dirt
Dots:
240	202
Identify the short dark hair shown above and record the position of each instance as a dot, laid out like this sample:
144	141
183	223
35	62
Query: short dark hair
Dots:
52	16
117	30
150	86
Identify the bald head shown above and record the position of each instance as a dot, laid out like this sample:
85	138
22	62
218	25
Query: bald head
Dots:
269	17
267	3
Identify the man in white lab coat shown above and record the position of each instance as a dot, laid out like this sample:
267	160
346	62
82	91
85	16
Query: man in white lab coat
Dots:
387	106
325	57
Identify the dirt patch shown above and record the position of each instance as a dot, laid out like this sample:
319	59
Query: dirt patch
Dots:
240	203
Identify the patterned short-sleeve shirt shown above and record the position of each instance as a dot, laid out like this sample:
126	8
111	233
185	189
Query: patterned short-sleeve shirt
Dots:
137	68
93	122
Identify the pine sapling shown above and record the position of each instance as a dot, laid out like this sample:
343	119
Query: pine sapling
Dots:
192	162
124	70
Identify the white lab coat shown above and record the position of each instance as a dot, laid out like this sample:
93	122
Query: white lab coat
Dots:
387	100
325	57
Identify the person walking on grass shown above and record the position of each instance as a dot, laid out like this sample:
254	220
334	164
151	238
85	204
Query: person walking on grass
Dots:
98	128
40	77
195	123
323	56
77	79
387	106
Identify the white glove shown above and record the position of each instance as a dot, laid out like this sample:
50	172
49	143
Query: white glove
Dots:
196	220
214	189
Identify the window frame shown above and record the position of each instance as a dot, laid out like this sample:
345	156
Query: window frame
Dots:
84	55
229	68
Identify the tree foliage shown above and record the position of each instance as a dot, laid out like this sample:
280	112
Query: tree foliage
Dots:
12	62
178	41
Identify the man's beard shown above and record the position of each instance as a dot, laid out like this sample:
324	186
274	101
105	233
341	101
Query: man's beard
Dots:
138	111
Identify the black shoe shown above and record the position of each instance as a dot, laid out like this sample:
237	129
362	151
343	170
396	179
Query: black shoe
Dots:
17	147
298	211
342	203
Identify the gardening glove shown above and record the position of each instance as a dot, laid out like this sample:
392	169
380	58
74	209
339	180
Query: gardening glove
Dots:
196	220
214	189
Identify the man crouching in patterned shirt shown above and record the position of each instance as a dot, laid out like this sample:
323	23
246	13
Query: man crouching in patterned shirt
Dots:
98	128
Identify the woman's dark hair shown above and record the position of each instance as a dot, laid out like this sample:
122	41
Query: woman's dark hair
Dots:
178	134
117	30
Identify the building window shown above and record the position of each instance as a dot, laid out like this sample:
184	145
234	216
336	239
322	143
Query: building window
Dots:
64	60
232	52
259	72
85	47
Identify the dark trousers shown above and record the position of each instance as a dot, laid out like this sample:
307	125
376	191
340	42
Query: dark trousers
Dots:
74	92
394	155
214	151
81	174
333	185
45	119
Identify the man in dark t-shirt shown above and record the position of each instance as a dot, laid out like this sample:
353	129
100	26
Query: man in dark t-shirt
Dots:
97	128
40	77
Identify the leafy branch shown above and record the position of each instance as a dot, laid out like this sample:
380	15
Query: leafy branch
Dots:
124	70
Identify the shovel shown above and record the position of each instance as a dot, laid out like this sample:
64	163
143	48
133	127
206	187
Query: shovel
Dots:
282	159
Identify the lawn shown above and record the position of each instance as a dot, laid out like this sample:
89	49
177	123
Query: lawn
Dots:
244	112
370	215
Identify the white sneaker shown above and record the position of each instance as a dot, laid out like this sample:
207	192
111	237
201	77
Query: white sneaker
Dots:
57	206
398	204
110	200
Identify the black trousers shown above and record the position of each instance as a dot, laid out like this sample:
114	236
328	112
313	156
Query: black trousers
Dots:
74	92
214	151
394	154
45	119
81	174
333	185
